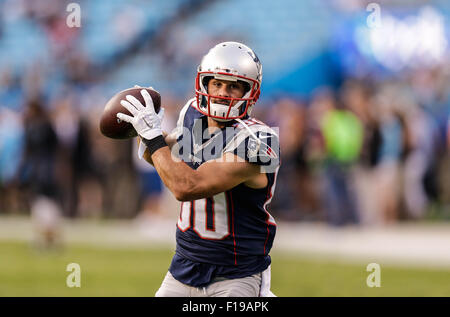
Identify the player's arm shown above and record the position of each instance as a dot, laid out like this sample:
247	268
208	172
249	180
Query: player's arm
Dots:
169	138
209	179
185	183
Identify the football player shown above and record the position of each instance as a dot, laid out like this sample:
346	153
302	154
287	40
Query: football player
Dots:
221	164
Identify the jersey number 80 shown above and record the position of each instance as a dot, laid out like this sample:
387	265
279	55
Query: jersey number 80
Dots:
210	217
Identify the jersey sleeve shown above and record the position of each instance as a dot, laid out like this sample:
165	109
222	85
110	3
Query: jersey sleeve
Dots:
259	146
177	132
179	129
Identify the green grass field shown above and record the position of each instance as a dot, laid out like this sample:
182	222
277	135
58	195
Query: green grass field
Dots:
139	272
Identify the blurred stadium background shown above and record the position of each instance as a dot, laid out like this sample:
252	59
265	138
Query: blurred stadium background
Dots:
363	110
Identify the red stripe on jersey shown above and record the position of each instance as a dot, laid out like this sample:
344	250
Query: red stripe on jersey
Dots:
268	199
267	220
213	216
232	227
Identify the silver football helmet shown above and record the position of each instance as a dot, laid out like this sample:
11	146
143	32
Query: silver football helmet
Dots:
231	61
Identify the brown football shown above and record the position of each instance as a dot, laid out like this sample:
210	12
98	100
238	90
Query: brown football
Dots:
114	128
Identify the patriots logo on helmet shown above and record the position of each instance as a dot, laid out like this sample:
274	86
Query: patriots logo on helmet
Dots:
256	60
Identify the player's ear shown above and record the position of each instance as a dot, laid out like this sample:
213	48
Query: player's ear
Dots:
206	81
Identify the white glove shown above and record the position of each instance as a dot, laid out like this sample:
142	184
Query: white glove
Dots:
142	146
145	120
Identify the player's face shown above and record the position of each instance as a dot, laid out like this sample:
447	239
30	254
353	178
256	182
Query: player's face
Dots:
225	88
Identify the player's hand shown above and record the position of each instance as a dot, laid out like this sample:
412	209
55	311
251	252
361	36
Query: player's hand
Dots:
145	120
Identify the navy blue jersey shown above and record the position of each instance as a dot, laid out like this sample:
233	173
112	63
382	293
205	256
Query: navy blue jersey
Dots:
230	234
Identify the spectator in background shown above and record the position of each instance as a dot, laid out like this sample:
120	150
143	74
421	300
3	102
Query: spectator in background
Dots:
343	135
311	155
41	146
420	160
287	116
38	173
120	190
357	97
308	145
65	122
387	174
87	189
431	90
78	177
